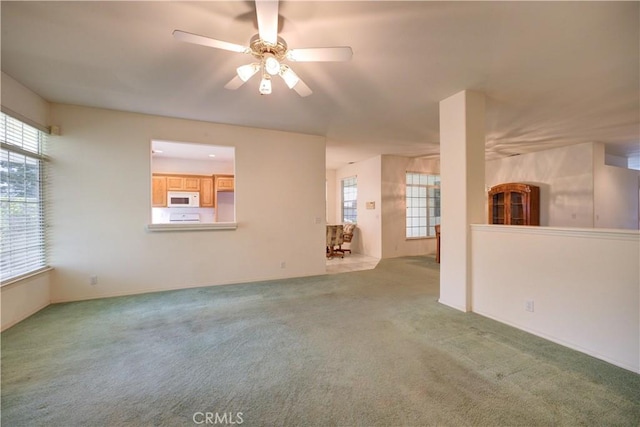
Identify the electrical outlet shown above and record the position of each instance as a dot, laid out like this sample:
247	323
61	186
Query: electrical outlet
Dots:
283	264
93	280
528	305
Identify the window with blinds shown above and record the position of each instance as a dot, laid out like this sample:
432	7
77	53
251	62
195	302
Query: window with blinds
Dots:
423	204
22	237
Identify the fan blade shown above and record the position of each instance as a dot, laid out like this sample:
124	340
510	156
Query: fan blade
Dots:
206	41
267	13
234	83
320	54
302	89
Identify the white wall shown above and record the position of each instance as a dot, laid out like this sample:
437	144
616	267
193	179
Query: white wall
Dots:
193	167
101	187
333	198
613	160
394	241
577	187
368	234
381	231
24	297
584	284
462	196
615	194
24	102
616	198
565	178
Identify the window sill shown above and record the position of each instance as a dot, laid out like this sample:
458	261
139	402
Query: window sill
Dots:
25	276
420	238
193	227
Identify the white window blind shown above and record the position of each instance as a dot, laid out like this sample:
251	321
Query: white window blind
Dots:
22	236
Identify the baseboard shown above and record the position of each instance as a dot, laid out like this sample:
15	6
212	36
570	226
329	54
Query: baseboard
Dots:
456	306
564	343
171	289
31	313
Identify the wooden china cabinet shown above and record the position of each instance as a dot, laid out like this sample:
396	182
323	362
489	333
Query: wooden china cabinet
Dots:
514	204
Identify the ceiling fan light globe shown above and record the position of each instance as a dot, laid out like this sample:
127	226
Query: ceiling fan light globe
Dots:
265	85
245	72
289	76
271	65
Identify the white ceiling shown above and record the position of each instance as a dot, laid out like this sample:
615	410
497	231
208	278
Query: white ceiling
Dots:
554	73
190	151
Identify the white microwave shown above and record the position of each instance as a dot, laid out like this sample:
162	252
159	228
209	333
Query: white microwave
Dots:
183	199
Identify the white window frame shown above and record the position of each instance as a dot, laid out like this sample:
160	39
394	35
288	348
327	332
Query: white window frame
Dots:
422	204
23	250
349	195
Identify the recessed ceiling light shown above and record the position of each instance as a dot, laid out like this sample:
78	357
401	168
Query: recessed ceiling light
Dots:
157	151
212	155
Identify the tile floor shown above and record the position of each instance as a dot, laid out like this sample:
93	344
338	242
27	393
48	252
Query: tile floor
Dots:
351	262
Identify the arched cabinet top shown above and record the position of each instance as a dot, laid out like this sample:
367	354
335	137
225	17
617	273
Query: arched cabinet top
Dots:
513	187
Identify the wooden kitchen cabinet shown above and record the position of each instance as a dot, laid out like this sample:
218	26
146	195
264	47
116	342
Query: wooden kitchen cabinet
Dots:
207	195
192	183
175	183
225	183
514	204
159	191
196	183
183	183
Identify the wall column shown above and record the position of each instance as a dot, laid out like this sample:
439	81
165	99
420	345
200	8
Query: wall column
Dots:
462	164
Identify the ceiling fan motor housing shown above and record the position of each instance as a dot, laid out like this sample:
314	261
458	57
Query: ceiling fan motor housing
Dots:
259	47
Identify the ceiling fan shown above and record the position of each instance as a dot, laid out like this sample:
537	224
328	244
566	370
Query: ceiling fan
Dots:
270	52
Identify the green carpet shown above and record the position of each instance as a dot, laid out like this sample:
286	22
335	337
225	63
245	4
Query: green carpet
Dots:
369	348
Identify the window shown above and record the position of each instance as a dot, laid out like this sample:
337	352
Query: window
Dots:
423	204
350	199
22	238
